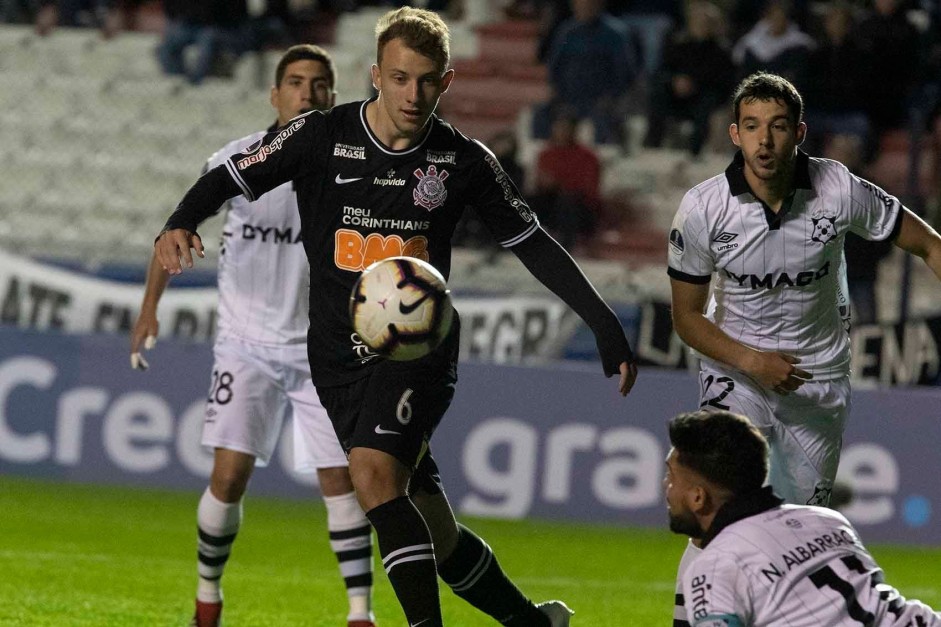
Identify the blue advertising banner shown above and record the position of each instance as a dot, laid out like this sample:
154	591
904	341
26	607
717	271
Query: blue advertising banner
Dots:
548	442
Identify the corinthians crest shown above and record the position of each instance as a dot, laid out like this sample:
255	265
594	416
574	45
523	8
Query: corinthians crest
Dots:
430	191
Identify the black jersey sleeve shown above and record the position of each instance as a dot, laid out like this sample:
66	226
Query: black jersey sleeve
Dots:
497	200
202	200
282	155
556	269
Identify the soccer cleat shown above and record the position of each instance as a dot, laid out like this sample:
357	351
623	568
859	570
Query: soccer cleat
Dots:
361	623
207	614
558	612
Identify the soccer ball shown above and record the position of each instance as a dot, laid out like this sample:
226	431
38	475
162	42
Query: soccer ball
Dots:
401	308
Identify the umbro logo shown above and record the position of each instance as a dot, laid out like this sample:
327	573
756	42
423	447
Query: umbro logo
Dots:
724	239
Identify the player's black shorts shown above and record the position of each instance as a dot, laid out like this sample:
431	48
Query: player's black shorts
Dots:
394	408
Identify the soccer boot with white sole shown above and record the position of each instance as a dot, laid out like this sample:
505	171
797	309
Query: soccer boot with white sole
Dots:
207	614
558	612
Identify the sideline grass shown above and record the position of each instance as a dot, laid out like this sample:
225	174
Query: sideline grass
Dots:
81	555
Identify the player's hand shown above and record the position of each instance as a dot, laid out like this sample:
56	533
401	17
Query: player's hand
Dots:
172	250
628	376
778	372
143	335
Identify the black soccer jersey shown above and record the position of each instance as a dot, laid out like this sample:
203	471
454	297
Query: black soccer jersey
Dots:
360	202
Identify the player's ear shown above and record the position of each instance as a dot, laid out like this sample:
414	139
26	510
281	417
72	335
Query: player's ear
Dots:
333	98
273	96
374	72
801	132
446	80
733	133
698	499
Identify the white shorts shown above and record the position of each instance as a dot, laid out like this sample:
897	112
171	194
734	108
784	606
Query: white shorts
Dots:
252	388
804	428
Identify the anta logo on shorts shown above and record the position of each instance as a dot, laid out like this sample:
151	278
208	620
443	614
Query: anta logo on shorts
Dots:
355	252
262	153
771	281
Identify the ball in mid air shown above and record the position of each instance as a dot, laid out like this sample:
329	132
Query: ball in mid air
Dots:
401	308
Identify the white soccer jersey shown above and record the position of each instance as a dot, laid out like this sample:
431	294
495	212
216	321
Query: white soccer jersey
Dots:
779	276
264	278
795	566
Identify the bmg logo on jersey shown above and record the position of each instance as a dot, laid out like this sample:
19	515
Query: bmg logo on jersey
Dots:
355	252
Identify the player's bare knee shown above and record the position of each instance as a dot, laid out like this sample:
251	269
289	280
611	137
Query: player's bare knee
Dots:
377	477
334	481
228	484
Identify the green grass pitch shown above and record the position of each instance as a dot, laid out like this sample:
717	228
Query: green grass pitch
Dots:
79	555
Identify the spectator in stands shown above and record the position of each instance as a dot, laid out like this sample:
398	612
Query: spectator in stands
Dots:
18	11
892	63
566	188
505	147
266	24
650	21
744	14
697	74
591	67
550	14
775	44
863	257
836	86
208	25
108	15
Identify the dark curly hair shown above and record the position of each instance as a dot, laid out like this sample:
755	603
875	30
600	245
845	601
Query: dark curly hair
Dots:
723	447
765	86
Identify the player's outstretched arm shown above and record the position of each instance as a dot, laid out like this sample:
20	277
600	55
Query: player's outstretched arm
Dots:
144	333
918	238
203	199
556	269
774	370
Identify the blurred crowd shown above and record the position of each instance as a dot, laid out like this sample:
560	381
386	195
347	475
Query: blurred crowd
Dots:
218	31
860	65
865	68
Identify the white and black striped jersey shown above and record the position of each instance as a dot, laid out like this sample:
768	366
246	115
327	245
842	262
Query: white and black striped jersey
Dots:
779	275
263	272
794	565
360	202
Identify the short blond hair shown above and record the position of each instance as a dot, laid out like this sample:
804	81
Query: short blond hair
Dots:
421	30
